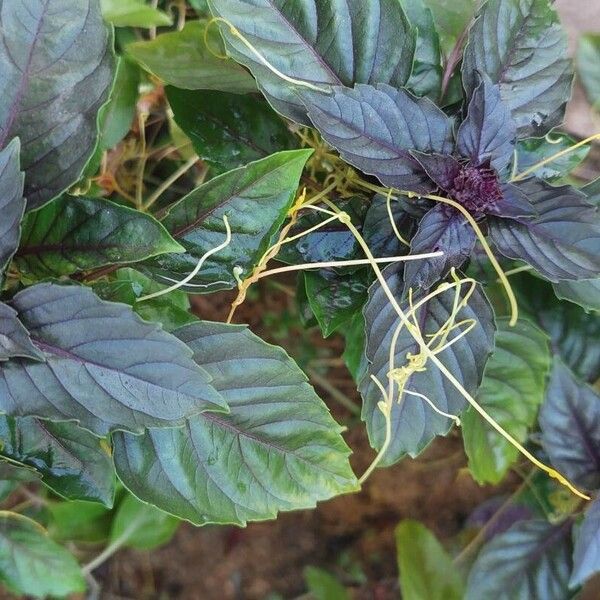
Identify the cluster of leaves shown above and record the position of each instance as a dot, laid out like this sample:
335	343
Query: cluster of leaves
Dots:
109	400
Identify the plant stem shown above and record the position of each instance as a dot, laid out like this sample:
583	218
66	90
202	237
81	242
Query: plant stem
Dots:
335	394
167	183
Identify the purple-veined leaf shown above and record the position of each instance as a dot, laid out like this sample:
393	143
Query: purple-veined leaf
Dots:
570	424
105	368
12	203
562	242
255	198
488	133
72	462
51	108
441	229
574	334
375	127
414	422
520	45
278	449
14	338
530	560
322	43
75	233
586	554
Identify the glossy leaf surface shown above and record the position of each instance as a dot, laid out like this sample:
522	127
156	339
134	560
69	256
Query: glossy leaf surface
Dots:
278	449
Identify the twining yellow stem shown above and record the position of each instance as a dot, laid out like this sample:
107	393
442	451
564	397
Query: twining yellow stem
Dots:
348	263
238	34
554	157
344	218
514	308
197	268
388	203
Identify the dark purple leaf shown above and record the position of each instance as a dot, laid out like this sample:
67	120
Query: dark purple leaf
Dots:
14	338
374	128
521	46
514	203
586	554
56	73
414	422
442	228
530	560
562	242
321	43
570	424
488	134
105	368
377	227
442	169
574	334
12	203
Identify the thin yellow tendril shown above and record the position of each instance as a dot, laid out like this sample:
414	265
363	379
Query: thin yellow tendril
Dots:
388	203
238	34
197	268
554	157
386	410
514	309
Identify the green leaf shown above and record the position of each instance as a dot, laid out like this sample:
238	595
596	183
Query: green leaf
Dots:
228	130
331	242
12	476
182	58
451	17
72	462
51	108
511	391
586	554
277	450
324	586
530	560
141	526
354	350
14	338
585	292
31	563
77	520
171	310
374	129
533	150
588	59
574	335
426	569
321	43
133	13
334	298
561	242
414	422
117	115
77	234
255	198
536	85
570	425
426	76
12	203
105	368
